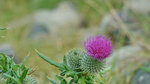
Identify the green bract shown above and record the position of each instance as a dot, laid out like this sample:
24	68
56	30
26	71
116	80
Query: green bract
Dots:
91	65
74	57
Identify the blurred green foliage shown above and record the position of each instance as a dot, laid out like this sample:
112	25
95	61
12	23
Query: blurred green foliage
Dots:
94	10
12	9
90	9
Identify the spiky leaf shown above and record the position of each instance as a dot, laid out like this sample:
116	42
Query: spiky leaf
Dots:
56	64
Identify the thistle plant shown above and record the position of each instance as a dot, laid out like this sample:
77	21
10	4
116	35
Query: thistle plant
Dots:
12	73
82	67
98	49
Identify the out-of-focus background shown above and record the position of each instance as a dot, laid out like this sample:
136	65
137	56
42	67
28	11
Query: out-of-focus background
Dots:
55	26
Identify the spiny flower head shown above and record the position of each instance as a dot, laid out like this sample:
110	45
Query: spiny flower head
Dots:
73	58
90	65
98	47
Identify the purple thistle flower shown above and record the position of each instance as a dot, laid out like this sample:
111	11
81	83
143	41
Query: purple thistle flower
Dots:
98	47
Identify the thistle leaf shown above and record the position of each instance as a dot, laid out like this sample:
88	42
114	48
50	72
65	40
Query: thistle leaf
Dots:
71	81
24	74
82	80
17	81
54	63
52	81
75	78
62	80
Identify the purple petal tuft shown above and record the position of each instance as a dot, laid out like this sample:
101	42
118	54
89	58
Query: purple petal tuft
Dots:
98	47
